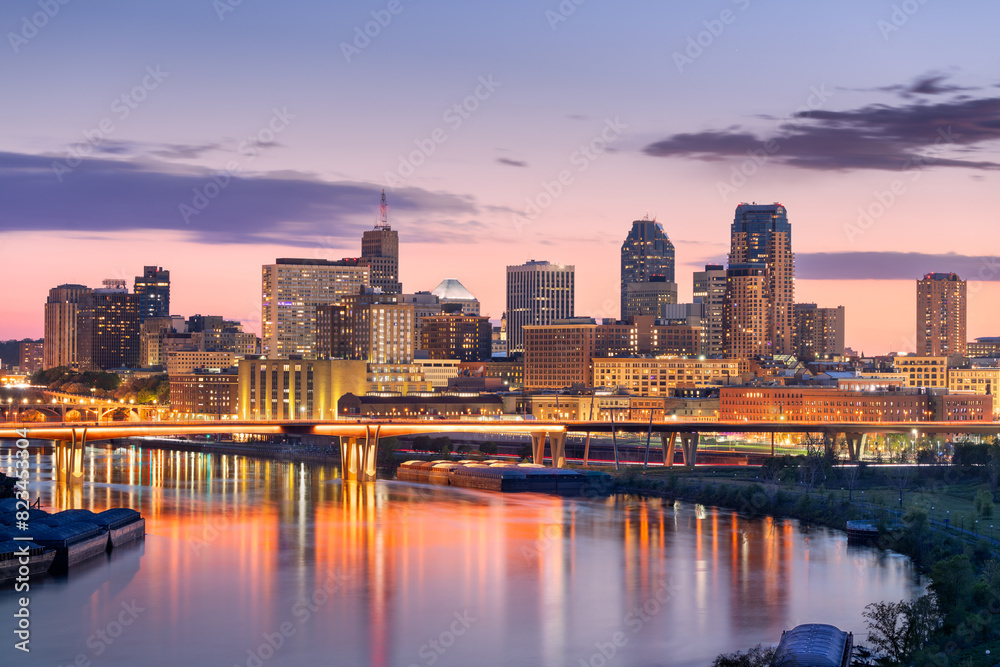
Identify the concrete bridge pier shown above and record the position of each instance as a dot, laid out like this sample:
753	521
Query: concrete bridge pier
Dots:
667	441
358	456
857	444
557	443
689	447
538	448
69	457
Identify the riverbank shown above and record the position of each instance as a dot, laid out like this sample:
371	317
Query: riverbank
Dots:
961	564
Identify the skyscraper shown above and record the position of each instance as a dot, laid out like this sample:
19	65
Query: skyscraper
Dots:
760	289
646	252
941	312
108	330
290	291
710	292
537	293
152	289
61	310
380	251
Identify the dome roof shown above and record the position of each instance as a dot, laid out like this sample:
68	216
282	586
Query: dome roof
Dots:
452	290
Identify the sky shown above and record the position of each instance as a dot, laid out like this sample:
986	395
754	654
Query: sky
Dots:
210	137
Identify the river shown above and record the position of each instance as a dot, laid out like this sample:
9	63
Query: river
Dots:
254	562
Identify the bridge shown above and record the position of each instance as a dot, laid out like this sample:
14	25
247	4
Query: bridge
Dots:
359	439
60	404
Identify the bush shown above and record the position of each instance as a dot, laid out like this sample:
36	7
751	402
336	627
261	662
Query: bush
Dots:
984	503
757	656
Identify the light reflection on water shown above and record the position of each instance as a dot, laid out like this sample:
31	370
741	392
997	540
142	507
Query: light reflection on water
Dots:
240	549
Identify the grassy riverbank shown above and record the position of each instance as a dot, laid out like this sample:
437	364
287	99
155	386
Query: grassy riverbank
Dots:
935	525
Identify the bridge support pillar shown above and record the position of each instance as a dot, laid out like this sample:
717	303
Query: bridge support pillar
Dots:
538	448
557	443
689	446
667	441
69	457
586	451
857	443
358	456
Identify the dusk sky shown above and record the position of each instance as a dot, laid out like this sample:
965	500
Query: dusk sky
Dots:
213	137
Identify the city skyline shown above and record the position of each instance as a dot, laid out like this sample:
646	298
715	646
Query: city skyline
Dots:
505	180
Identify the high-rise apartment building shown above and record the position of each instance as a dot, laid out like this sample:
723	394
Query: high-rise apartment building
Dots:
61	316
108	330
537	293
646	252
367	326
291	289
760	283
941	310
710	292
819	332
152	289
380	251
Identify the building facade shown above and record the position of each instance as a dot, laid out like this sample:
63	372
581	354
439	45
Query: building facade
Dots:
760	288
819	332
183	362
108	330
61	325
646	252
456	336
941	314
710	292
649	376
923	371
291	289
213	395
297	388
32	356
818	404
152	289
979	381
649	298
984	347
538	293
368	326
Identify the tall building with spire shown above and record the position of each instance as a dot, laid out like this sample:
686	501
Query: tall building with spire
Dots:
647	257
760	283
380	251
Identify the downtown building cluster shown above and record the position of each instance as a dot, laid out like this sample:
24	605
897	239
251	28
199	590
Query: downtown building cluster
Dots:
342	338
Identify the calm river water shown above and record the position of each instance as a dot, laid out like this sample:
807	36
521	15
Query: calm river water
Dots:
253	563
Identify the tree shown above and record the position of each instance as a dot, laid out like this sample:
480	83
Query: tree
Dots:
952	581
899	478
489	448
852	477
984	503
757	656
423	443
993	470
896	630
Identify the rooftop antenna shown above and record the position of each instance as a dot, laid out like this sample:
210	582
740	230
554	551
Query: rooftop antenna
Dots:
382	222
